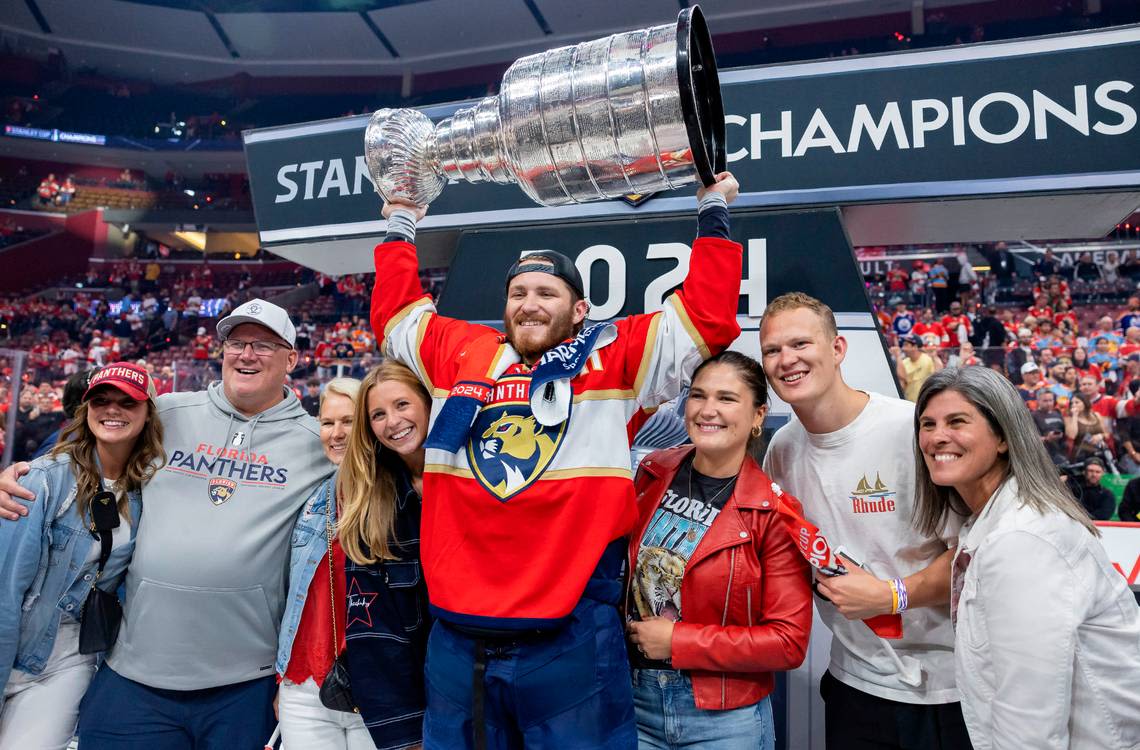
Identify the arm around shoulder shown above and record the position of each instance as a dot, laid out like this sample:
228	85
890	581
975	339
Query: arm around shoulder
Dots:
11	492
710	293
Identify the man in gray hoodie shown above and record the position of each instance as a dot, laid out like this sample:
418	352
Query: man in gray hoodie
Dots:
193	663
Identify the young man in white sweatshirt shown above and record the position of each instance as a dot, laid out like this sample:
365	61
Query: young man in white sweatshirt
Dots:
849	456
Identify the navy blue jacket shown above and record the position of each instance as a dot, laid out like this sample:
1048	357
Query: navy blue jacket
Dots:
388	623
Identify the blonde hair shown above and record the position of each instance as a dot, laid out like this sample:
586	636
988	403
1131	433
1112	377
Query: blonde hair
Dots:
77	441
366	484
798	300
347	387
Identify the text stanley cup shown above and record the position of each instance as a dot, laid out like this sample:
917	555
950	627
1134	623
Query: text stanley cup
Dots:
634	113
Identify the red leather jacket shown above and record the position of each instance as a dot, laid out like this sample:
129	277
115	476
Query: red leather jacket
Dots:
746	591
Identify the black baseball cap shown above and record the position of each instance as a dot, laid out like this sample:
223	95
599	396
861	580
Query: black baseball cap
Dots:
551	262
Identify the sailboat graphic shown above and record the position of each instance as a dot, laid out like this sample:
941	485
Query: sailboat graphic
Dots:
879	486
865	488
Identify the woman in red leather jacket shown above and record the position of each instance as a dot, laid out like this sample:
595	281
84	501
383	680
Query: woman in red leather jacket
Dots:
719	596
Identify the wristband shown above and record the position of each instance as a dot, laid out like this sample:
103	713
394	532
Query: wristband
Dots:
900	588
403	222
711	198
893	583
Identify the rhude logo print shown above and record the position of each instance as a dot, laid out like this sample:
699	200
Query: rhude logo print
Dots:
876	498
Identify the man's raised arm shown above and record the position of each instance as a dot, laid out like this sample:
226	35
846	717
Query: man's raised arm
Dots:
403	317
699	320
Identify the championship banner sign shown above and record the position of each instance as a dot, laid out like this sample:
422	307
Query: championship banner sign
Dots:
1055	113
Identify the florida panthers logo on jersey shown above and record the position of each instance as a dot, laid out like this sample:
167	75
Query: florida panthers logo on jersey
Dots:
221	489
508	450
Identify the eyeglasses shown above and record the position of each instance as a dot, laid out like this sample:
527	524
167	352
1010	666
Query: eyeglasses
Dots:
260	348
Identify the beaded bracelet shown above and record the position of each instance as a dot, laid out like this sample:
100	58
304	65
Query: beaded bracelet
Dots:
900	595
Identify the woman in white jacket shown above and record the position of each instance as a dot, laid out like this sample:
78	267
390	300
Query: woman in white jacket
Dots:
1047	633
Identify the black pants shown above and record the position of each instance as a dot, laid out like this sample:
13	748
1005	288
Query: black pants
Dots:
855	720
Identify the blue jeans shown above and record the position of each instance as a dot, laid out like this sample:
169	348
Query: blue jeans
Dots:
569	691
121	714
668	717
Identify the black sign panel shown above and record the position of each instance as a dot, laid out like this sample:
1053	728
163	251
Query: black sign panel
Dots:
1057	113
320	178
630	266
1054	113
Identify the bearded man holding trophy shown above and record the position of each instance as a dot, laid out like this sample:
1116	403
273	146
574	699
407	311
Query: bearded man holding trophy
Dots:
527	484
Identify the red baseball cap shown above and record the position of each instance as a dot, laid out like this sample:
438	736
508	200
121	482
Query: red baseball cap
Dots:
127	377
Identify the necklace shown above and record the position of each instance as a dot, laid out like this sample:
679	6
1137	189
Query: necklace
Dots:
728	483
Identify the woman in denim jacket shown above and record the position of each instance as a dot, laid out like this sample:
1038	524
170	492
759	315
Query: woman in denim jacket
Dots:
305	648
49	562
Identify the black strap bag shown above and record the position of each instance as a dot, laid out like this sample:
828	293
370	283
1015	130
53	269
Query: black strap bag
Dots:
102	613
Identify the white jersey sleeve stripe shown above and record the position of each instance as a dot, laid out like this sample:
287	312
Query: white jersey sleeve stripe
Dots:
673	350
404	335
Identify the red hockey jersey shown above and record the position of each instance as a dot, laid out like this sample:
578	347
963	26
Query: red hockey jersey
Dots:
515	522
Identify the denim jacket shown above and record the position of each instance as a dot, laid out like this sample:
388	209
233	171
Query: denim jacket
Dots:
388	623
309	547
43	566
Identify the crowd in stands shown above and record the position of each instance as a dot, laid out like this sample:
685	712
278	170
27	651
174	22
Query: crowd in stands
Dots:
130	189
163	318
52	193
1078	370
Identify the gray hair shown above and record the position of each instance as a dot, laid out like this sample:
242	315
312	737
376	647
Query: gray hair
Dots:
1038	481
347	387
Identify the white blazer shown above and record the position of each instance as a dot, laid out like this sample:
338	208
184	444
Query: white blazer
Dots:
1047	640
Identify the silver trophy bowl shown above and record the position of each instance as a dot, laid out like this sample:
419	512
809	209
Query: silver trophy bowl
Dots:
634	113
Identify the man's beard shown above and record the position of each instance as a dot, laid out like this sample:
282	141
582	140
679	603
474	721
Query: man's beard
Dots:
560	328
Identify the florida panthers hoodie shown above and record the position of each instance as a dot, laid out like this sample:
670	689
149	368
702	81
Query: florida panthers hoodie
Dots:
205	591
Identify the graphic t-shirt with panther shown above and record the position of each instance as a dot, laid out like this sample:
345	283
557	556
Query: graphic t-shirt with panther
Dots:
686	511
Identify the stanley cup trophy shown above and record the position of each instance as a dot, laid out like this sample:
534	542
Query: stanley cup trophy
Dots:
634	113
